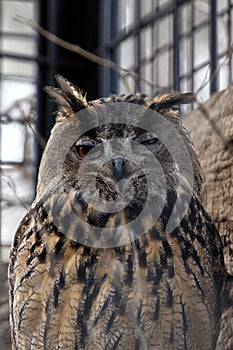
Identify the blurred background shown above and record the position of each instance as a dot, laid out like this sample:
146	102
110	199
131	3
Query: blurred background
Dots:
170	45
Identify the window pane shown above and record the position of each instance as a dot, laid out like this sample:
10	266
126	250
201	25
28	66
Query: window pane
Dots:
12	142
224	77
17	191
127	53
202	10
222	34
185	85
146	43
200	77
12	90
127	13
163	2
185	56
201	47
162	71
165	31
127	85
10	66
13	8
185	14
25	46
222	5
146	73
11	216
146	7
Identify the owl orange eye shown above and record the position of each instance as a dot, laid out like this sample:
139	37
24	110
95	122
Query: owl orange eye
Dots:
82	150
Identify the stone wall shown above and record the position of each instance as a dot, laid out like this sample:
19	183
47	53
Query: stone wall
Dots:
4	311
211	129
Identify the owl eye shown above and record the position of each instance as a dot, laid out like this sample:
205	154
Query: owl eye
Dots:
82	150
150	142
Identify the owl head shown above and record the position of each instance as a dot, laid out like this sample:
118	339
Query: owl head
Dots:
115	159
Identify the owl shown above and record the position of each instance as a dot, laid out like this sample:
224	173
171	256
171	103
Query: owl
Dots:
116	251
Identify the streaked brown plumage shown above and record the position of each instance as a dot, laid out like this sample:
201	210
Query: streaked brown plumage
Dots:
161	291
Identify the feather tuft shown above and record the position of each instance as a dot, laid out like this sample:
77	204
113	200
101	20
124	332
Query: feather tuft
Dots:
68	97
170	101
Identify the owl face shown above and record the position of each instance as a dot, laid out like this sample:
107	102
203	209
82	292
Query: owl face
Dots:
108	168
102	165
124	165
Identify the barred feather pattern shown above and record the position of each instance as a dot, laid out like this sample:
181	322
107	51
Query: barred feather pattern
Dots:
162	291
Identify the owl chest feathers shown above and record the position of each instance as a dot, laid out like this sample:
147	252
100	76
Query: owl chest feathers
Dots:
160	289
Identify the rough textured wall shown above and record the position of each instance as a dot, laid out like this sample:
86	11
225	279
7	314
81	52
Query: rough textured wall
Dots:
217	162
4	312
211	128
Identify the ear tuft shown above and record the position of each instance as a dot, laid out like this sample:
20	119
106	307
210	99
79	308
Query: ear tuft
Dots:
68	97
170	101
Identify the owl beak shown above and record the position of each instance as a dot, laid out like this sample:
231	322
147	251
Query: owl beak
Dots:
119	168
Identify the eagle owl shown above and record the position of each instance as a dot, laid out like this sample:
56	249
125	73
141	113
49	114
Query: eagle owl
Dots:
116	251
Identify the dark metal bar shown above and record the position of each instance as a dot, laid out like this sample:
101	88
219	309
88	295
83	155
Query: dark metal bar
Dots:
14	77
138	44
192	45
0	139
42	107
80	28
105	34
114	54
41	59
176	47
23	0
16	56
19	35
154	46
229	31
144	22
213	46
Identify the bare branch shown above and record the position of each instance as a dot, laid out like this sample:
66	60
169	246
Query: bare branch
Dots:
217	70
6	114
41	141
227	143
10	183
125	73
6	117
84	53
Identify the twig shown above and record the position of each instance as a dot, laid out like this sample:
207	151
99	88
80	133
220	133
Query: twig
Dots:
217	70
227	144
82	52
41	141
6	117
126	73
11	185
39	138
6	113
